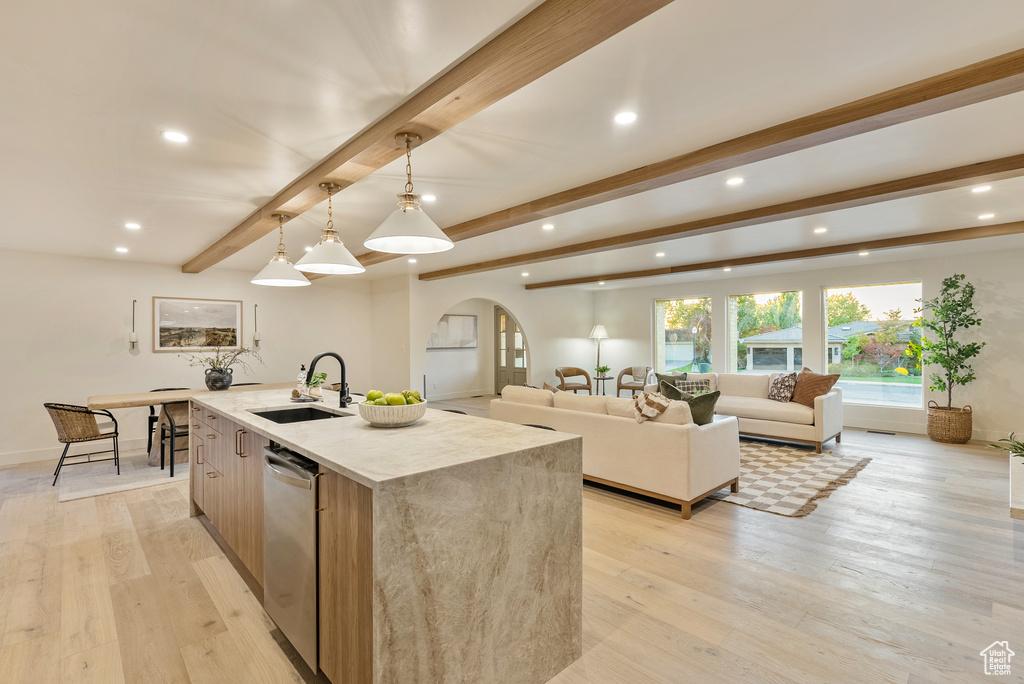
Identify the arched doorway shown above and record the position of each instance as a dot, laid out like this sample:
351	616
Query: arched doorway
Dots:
475	348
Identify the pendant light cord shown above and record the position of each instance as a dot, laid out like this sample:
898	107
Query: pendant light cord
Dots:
330	213
280	238
408	165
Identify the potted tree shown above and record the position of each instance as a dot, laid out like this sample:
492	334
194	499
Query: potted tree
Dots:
1016	449
945	321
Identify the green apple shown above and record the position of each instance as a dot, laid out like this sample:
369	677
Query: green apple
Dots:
395	399
412	400
380	402
374	395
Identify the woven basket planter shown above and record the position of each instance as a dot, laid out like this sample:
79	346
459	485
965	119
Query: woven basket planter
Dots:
950	425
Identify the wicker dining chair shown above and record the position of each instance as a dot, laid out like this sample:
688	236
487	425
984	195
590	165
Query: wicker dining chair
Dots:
636	384
564	372
77	424
174	429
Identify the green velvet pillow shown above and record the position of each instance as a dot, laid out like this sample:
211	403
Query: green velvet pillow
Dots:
666	388
702	406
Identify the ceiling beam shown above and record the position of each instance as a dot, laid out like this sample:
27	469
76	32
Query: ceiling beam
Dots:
936	181
549	36
967	85
972	233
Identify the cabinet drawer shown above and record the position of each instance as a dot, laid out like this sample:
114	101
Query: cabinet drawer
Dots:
206	419
213	447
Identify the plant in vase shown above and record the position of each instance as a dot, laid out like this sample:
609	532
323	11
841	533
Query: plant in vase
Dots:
220	364
602	370
1016	449
314	384
944	320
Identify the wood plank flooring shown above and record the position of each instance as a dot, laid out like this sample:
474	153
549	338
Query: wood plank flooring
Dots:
904	575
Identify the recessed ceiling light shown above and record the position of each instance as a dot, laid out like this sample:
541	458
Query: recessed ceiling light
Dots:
660	254
982	188
864	253
600	282
132	226
738	180
121	250
624	118
429	198
727	269
985	217
548	226
175	136
524	274
412	261
309	249
821	229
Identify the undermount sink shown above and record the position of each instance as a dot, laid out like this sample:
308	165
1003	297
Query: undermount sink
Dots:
299	414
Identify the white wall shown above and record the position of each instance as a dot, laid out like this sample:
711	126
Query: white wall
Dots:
389	334
997	397
65	331
453	373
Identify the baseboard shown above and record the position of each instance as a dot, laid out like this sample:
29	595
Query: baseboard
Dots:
461	394
53	453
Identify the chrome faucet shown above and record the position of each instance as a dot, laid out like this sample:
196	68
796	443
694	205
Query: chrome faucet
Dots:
343	392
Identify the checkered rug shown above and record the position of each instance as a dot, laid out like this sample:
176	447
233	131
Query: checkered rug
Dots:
788	480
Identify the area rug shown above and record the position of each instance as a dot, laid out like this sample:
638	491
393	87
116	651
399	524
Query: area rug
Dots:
788	480
95	479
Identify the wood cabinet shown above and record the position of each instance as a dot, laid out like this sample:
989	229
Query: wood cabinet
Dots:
346	578
227	483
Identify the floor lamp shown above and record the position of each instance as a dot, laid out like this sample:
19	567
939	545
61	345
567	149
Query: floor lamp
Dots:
599	333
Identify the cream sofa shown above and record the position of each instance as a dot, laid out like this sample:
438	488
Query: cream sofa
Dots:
745	396
669	458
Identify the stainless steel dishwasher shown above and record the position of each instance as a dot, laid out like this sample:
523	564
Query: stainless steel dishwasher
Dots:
290	548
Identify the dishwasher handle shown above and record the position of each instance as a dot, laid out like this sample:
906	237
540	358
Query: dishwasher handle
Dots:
283	471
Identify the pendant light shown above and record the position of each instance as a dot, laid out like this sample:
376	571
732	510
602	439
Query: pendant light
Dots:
408	230
280	272
329	256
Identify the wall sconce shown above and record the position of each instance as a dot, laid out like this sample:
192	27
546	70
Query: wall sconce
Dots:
256	327
133	339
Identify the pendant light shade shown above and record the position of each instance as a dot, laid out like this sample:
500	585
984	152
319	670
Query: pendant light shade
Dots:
329	256
280	272
408	230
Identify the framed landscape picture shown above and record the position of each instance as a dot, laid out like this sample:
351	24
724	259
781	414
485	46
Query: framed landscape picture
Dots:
193	325
453	331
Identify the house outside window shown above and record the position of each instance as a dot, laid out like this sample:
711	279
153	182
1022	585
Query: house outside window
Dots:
765	332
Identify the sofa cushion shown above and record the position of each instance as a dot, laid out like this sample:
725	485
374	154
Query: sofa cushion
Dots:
527	395
743	385
810	385
621	407
765	409
702	406
580	402
781	387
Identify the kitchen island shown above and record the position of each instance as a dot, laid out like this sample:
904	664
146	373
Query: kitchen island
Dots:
450	550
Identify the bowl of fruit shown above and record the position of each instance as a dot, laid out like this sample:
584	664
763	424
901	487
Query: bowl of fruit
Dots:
397	409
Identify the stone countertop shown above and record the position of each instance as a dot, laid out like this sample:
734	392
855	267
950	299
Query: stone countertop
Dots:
373	456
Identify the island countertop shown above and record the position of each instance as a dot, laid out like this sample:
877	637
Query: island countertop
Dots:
370	455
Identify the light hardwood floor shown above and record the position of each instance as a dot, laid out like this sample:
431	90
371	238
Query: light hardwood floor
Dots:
904	575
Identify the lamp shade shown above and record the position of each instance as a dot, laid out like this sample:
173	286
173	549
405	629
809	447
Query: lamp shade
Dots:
408	231
280	273
599	333
329	257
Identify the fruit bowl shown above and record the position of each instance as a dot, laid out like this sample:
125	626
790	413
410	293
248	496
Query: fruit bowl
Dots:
392	416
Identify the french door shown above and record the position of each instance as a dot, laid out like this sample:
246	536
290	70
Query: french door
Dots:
509	352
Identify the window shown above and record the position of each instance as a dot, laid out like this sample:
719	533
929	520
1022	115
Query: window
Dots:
682	334
765	332
869	329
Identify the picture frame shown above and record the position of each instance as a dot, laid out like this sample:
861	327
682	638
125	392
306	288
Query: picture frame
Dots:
454	331
196	325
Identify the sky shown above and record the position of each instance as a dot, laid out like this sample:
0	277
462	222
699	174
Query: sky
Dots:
878	298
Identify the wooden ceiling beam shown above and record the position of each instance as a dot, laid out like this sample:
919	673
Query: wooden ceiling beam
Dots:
946	179
549	36
960	234
991	78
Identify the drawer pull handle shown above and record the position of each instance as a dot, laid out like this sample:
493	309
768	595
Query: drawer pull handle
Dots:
212	436
211	474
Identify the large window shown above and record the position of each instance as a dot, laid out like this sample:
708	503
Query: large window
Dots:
682	333
765	333
869	330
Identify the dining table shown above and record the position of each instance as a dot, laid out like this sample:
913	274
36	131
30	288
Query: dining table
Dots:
142	399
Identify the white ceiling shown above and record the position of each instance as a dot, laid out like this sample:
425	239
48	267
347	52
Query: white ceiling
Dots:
86	90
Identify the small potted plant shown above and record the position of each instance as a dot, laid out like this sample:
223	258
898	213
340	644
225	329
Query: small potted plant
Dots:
219	365
602	370
314	385
1016	449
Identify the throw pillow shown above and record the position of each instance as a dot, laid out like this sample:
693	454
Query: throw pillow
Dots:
702	406
647	405
670	390
671	378
810	385
549	388
781	388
